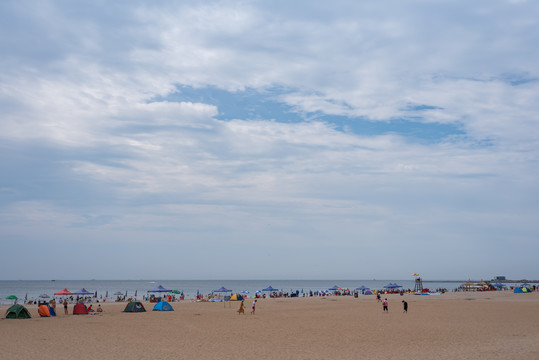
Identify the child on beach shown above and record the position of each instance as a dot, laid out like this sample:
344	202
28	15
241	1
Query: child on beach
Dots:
384	305
253	307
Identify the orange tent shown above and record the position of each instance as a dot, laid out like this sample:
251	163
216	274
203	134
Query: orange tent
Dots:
44	311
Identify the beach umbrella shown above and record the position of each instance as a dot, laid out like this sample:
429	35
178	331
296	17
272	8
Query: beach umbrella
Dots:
176	291
136	293
415	274
335	287
245	292
107	294
12	297
44	296
95	295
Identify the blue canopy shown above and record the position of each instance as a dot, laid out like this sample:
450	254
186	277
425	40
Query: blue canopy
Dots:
498	285
362	287
269	288
83	291
389	286
159	289
396	286
222	289
335	287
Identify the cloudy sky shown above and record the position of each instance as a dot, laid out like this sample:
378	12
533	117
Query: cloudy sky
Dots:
269	139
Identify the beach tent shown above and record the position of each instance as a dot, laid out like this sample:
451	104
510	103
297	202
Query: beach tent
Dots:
83	291
270	288
362	287
236	297
44	311
335	287
367	292
521	290
80	309
134	306
222	289
163	306
64	292
52	311
159	289
17	312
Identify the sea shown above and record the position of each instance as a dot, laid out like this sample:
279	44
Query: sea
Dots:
33	289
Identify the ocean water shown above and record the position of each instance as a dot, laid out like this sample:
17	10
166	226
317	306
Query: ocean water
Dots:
33	289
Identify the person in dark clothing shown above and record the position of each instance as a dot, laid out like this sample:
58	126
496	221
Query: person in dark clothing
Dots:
405	306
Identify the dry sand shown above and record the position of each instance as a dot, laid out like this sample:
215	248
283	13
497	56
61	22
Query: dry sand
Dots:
487	325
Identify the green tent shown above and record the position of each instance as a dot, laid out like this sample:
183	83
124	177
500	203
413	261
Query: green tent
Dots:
17	312
134	306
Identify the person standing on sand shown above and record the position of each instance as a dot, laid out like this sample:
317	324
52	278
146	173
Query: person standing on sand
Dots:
405	306
384	305
65	306
241	310
253	307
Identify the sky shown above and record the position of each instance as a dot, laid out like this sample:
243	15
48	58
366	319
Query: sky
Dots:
269	139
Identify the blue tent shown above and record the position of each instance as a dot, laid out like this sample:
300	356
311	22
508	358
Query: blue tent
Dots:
163	306
269	288
362	287
222	289
335	287
83	291
159	289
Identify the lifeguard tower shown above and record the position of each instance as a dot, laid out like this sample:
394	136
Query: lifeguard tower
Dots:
418	283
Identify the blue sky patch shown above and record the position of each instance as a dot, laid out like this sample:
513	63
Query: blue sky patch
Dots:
251	104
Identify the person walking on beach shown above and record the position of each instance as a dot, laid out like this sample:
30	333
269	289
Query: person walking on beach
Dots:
378	297
65	306
405	306
253	307
384	305
241	310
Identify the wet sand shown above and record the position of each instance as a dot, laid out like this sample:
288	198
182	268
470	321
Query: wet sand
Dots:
488	325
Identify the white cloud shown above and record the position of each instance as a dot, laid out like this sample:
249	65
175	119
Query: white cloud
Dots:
96	91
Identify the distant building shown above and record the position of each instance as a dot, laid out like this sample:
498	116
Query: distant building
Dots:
499	278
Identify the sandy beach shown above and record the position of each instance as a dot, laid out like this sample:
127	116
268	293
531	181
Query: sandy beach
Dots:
489	325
